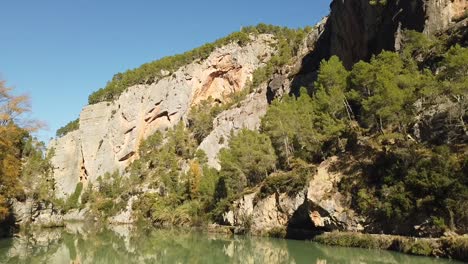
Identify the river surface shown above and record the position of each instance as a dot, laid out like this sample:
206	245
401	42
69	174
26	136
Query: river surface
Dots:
122	244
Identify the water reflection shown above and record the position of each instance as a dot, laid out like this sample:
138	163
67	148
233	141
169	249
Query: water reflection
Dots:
124	244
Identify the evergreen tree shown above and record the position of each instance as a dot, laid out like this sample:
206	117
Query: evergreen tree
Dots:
331	86
454	77
384	89
248	160
299	128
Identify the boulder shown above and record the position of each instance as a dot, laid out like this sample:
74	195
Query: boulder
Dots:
33	213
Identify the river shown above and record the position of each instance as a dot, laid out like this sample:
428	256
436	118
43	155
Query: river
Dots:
124	244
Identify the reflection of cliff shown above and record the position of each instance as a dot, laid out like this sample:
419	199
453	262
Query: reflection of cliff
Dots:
39	245
130	245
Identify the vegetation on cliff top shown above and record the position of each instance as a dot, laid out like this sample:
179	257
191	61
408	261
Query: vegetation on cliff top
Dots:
71	126
288	42
151	72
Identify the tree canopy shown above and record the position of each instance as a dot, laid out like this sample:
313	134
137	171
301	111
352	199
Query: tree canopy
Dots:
248	160
13	131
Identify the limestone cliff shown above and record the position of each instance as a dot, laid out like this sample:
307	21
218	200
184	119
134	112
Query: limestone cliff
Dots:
355	30
250	111
110	132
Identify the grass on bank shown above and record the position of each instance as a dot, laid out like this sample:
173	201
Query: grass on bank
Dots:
451	247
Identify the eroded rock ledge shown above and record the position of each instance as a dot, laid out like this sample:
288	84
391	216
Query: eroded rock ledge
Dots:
319	207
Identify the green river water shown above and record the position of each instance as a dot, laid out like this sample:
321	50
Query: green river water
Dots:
122	244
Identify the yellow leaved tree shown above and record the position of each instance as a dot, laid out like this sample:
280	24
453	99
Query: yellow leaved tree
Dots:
12	132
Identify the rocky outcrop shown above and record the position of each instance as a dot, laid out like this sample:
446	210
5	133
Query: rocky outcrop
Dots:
441	123
356	30
249	112
110	132
440	15
33	213
246	115
320	206
126	215
76	215
68	162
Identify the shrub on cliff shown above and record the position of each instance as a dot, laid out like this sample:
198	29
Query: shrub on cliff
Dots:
71	126
73	199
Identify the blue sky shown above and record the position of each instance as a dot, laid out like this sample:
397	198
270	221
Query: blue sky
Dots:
59	51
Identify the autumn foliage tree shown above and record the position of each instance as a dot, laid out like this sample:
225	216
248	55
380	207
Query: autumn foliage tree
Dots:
194	176
12	132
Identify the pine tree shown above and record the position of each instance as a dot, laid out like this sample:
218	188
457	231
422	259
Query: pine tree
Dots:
248	160
384	89
331	88
454	77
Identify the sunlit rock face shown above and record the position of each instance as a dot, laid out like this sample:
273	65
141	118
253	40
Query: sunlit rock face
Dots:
110	132
320	206
248	113
440	14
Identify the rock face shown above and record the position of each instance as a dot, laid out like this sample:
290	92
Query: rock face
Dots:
247	115
356	30
318	207
126	215
33	213
441	14
440	123
249	112
110	132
